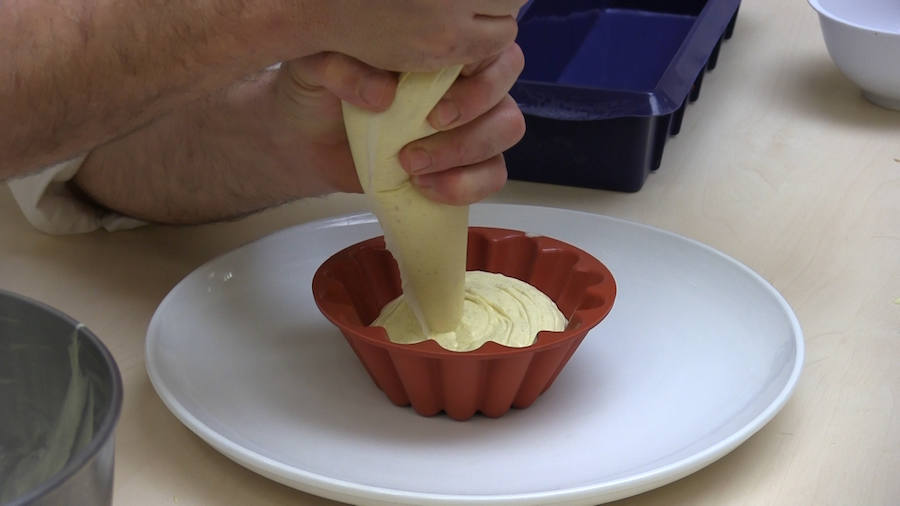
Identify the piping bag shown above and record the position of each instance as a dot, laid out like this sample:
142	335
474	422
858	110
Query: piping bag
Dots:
428	239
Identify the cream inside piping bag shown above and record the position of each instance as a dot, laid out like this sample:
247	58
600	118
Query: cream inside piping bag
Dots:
427	238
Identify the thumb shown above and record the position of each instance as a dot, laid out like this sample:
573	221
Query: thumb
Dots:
343	76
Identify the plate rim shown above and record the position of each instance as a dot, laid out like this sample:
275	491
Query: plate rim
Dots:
343	490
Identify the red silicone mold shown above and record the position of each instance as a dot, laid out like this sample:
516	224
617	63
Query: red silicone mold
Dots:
353	285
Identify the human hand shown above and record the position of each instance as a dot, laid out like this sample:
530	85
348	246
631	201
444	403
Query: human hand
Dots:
418	35
461	164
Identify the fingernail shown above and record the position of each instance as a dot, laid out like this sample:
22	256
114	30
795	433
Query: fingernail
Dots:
372	92
417	160
446	112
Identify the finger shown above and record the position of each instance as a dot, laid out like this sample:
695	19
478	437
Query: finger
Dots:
473	95
476	67
485	37
499	7
464	185
498	130
346	77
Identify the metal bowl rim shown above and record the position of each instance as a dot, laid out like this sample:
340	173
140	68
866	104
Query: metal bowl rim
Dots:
107	426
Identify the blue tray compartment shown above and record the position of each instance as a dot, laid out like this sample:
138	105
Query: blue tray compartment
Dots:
606	82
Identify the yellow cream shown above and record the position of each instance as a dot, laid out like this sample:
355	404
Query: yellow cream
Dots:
495	308
428	239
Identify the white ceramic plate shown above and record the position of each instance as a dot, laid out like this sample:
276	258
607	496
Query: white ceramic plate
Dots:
697	354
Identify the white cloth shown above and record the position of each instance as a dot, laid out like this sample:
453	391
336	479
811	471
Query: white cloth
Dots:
51	207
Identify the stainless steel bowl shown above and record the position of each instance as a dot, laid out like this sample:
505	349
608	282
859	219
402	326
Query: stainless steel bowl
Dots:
60	398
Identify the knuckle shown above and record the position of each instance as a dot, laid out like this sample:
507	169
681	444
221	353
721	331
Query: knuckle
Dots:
489	179
477	99
306	73
328	64
513	33
516	125
461	153
516	59
482	48
507	35
333	72
499	178
442	42
453	188
448	153
510	122
486	148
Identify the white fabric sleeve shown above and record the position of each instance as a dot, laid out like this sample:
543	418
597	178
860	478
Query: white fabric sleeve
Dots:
51	207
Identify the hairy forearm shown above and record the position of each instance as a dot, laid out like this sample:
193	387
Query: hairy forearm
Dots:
221	157
77	73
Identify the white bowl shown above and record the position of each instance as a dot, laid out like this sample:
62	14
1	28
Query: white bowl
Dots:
863	39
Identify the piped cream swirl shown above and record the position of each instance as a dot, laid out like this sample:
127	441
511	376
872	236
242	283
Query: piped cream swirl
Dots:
495	308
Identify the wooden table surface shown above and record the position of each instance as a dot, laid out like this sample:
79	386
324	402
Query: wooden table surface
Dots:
780	164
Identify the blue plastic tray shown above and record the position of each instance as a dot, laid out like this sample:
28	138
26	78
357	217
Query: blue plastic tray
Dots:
606	83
